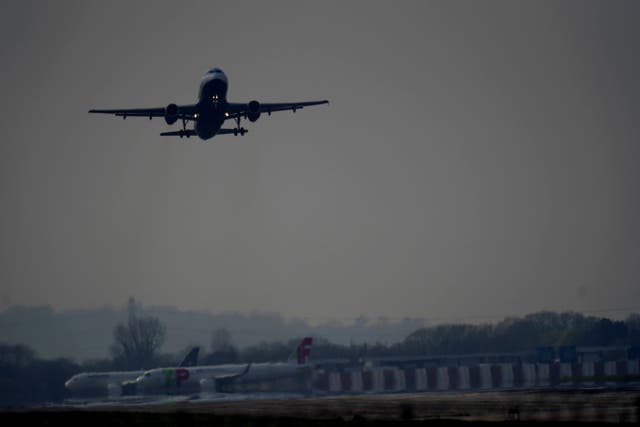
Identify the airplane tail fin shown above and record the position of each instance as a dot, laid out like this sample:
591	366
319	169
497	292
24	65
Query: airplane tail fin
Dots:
191	359
303	351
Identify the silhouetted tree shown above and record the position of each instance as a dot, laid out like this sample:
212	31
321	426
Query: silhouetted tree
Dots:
273	351
25	379
222	349
137	342
220	340
633	329
98	365
607	332
16	356
522	334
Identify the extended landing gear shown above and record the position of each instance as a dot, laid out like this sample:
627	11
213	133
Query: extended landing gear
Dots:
238	129
184	131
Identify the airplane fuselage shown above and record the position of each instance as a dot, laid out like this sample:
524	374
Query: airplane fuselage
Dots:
183	380
99	383
212	103
204	378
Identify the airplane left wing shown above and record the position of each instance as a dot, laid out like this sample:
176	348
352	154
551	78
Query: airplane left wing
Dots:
237	109
184	112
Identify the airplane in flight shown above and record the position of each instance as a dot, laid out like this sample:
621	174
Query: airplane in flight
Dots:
214	378
110	383
211	110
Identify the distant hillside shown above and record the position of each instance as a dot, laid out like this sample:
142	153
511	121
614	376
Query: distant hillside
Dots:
87	334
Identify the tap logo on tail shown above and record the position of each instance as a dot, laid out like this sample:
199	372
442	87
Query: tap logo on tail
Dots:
304	349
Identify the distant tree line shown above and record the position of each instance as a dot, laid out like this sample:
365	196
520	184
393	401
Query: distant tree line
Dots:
513	334
523	334
48	330
26	379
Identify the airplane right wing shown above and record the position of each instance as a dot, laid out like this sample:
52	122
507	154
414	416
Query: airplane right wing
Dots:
231	377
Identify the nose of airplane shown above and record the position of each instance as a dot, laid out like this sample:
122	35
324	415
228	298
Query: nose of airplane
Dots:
219	75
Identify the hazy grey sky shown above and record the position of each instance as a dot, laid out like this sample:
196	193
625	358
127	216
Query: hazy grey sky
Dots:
477	158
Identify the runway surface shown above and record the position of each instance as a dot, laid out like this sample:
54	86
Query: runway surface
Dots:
621	405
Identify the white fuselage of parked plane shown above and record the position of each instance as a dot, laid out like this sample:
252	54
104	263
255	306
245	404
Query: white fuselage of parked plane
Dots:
204	378
99	383
161	380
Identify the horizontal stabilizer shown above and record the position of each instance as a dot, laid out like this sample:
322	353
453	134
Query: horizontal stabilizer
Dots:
227	131
190	132
180	133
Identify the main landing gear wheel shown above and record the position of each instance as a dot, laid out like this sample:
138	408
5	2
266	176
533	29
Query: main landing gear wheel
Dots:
238	129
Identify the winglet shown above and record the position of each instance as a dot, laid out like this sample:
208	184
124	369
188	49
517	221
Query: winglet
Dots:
246	370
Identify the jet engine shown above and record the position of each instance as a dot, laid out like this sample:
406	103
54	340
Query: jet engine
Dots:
114	390
253	111
171	114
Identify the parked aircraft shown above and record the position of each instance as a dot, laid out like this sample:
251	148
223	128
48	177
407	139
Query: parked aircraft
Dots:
215	377
211	110
110	383
271	371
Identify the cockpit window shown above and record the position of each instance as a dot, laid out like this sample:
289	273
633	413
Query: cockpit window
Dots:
215	70
147	374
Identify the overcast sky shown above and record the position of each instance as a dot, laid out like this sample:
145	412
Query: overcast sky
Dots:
477	158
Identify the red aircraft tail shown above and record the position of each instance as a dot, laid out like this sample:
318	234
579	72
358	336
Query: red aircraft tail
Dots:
303	350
